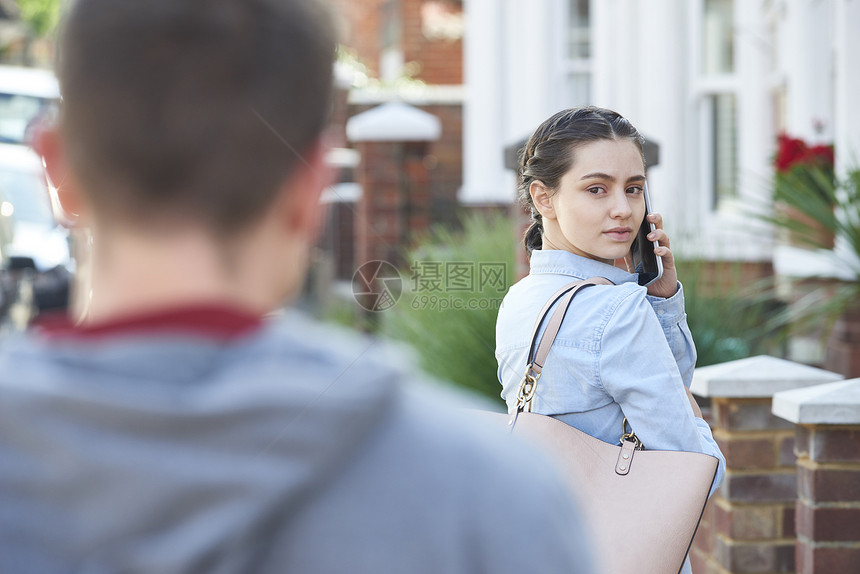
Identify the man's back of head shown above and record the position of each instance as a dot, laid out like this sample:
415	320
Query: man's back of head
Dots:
190	142
192	109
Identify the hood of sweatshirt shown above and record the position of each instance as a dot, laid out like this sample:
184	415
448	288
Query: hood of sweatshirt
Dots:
171	449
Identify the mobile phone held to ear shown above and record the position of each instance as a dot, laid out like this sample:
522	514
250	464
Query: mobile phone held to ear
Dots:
646	264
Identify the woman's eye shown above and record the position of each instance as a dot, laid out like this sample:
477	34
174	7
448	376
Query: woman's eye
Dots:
594	190
634	190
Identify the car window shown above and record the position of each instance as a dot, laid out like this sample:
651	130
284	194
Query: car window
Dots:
24	197
16	113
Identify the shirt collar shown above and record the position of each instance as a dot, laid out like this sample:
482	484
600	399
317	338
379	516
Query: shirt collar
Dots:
214	321
567	263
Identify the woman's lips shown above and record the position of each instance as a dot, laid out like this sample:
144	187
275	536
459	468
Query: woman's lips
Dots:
619	233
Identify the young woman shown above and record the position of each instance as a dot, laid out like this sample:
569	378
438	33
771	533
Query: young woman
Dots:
622	350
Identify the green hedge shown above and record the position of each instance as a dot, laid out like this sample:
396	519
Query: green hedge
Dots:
729	318
452	293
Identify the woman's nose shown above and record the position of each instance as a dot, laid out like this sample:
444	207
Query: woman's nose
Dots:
621	208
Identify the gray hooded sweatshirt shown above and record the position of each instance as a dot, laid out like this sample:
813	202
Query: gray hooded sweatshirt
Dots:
292	449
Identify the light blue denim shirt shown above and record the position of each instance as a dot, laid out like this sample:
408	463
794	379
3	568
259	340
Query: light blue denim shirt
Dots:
619	352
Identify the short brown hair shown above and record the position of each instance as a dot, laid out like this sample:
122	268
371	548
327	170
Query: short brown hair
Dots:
193	108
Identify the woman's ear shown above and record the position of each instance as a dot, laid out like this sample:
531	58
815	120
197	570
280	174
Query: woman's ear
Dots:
542	199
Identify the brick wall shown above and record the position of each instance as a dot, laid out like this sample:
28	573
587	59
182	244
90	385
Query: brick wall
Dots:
842	354
338	238
360	26
339	115
431	57
838	350
828	504
749	523
726	276
444	161
394	206
439	59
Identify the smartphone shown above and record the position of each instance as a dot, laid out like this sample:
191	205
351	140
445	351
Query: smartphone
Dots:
646	264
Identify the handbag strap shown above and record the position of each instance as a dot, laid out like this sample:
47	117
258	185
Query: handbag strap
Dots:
539	347
537	356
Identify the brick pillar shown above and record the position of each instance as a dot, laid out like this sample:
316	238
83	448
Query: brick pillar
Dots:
393	141
379	226
828	475
748	526
843	346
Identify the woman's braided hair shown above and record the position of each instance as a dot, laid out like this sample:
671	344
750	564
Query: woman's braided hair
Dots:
549	153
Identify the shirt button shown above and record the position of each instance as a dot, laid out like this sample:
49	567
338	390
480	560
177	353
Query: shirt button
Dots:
661	312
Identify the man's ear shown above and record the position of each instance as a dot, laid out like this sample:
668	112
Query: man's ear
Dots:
542	199
301	191
67	200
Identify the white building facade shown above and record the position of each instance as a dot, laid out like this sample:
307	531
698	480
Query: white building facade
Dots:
711	81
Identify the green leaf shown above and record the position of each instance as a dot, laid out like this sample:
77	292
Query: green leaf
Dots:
41	15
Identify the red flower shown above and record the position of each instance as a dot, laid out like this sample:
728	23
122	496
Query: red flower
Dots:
789	152
822	154
794	151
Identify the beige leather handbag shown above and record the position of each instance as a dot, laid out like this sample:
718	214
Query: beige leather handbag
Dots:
642	507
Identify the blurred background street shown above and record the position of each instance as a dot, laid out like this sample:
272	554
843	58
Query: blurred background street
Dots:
742	104
751	111
753	134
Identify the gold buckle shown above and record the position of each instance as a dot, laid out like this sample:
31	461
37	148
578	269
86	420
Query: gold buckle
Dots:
629	435
527	390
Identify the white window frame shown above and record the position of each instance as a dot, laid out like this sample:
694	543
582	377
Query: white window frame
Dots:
569	67
722	231
704	88
391	60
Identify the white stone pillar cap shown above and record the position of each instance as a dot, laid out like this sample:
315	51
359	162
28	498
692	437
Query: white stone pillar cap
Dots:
343	76
394	122
757	377
829	404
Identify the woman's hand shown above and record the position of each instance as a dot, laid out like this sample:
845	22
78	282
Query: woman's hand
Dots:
667	285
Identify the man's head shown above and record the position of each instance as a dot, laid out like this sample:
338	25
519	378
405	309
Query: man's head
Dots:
189	140
192	110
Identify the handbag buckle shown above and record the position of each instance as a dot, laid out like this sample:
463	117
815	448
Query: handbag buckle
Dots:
527	390
629	436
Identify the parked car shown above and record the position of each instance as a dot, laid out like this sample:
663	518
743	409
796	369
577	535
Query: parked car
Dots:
39	265
26	94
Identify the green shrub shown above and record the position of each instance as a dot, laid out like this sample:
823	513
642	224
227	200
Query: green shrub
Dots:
728	318
835	209
451	298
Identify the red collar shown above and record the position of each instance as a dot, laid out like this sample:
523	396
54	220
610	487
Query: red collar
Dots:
215	321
